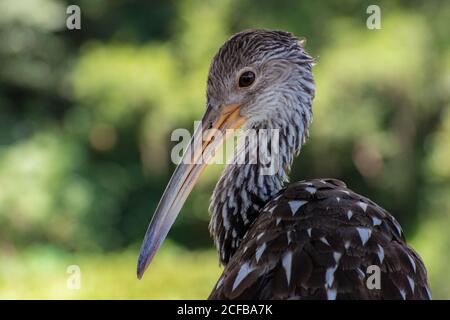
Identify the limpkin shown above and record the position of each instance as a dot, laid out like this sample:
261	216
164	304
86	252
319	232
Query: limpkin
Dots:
311	239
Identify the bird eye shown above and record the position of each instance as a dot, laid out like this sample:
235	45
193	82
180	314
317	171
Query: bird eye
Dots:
246	79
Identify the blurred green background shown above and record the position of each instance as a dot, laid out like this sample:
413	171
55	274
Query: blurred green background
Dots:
86	117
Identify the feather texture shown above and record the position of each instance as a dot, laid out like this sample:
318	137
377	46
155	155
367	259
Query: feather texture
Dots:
304	266
313	239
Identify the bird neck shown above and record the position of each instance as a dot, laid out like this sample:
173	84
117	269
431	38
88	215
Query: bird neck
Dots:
244	188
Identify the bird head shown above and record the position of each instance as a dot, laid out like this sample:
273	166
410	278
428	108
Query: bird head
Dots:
257	77
263	73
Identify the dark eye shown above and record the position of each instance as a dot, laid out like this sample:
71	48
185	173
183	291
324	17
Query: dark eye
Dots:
246	79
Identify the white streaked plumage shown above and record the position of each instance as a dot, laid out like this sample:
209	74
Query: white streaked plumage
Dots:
331	294
287	265
329	276
380	253
311	190
362	205
295	205
411	260
411	283
364	234
376	221
324	240
260	251
349	214
243	272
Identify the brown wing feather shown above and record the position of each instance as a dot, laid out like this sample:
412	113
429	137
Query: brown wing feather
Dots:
315	240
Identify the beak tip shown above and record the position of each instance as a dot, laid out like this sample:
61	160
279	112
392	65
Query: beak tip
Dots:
141	267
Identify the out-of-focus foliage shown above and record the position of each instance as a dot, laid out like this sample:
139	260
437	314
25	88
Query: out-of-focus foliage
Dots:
41	274
86	117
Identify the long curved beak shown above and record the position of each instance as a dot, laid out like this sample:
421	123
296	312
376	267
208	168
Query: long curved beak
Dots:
185	175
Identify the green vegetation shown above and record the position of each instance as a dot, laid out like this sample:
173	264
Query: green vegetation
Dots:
41	273
86	117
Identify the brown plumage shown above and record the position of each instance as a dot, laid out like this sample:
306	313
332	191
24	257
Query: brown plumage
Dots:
307	240
316	222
